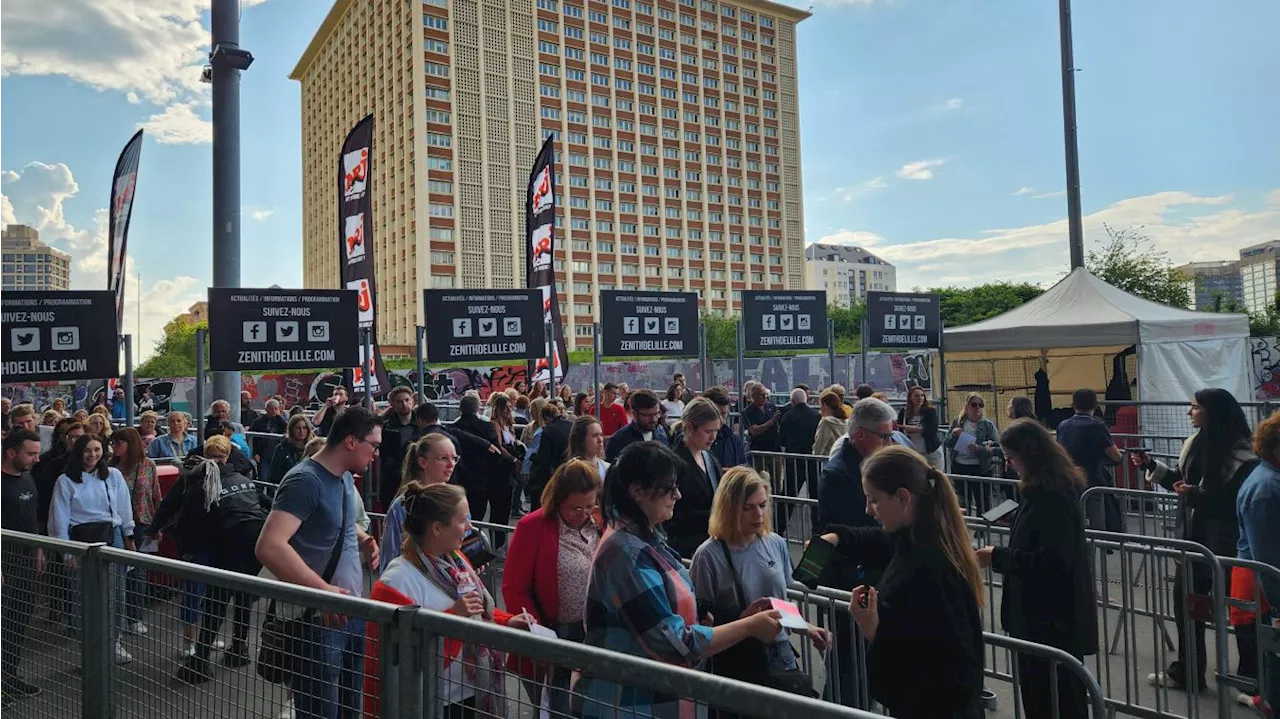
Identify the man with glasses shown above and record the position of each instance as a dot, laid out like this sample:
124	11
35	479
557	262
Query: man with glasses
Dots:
644	428
305	529
840	496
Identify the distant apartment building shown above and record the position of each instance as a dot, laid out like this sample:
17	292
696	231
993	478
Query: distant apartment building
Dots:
1208	281
847	273
30	264
677	137
1258	264
196	313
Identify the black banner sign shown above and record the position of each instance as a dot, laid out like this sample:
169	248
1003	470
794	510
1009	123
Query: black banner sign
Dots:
272	329
485	325
904	321
540	226
784	319
119	212
355	251
59	335
644	323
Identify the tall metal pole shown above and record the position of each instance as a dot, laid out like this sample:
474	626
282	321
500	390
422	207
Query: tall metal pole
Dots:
551	364
831	350
366	341
740	379
595	364
862	355
704	367
199	413
422	368
227	60
127	340
1074	225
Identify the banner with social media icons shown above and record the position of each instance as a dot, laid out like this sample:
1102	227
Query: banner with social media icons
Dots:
264	329
59	335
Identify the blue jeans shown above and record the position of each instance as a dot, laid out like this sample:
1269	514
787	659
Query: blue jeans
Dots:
136	586
116	581
193	593
329	682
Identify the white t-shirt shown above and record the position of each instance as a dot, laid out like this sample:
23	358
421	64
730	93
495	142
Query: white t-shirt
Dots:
675	410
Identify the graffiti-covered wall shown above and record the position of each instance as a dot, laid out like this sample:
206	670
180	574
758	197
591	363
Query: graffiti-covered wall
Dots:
888	372
1266	367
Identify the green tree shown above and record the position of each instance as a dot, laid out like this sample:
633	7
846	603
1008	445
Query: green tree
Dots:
1130	262
722	336
966	305
175	353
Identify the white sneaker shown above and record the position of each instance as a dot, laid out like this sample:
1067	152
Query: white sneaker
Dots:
137	628
1245	699
219	645
190	649
122	657
287	712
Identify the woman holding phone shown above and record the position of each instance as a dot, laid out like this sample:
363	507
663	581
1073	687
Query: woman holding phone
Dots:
922	624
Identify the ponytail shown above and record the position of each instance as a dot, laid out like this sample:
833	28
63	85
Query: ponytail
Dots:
939	521
953	535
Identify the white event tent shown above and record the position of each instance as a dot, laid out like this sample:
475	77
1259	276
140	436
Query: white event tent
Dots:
1178	351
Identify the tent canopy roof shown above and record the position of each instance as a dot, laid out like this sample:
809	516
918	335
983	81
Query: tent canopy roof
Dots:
1083	311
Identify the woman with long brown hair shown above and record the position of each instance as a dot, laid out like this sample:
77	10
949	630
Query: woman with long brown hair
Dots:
921	621
919	420
586	442
291	451
129	456
1048	585
834	423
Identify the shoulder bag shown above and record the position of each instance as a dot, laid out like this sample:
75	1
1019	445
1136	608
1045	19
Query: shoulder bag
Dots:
286	641
749	659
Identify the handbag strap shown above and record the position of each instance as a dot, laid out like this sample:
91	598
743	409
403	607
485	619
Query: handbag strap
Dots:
737	583
336	554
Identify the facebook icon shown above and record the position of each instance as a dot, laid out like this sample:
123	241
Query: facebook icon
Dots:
255	331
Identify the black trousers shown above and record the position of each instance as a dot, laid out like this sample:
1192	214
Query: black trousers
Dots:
1036	684
1201	583
492	495
235	553
17	605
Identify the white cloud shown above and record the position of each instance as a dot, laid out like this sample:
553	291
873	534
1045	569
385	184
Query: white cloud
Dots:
261	215
37	195
919	170
954	103
1046	195
150	50
849	194
859	238
1187	226
1023	191
178	124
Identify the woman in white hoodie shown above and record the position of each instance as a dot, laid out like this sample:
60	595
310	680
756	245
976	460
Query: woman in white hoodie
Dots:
834	423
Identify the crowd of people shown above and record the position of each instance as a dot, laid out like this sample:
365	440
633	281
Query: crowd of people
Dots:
611	503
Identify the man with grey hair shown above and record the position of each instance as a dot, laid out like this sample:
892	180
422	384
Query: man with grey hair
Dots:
797	425
271	421
841	500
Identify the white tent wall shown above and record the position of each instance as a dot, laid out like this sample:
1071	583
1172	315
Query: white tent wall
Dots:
1175	371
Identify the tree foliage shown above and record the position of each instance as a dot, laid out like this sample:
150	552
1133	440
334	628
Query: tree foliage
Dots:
175	353
966	305
1130	262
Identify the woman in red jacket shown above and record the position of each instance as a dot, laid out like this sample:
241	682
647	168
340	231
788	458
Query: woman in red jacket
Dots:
548	567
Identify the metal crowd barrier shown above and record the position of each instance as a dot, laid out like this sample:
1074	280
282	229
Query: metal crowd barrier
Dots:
417	670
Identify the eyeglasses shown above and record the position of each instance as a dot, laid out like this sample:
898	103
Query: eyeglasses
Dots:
977	405
662	490
649	414
376	445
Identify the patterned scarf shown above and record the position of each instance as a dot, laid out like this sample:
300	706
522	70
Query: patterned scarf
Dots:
482	666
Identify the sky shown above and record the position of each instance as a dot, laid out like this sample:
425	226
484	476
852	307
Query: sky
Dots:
931	133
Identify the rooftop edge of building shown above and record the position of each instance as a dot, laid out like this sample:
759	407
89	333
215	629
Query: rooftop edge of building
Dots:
340	7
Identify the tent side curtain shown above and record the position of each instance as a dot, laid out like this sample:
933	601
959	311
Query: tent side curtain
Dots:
1175	371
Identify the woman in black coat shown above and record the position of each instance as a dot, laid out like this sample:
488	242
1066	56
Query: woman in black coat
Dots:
1212	465
919	420
921	621
1048	580
699	475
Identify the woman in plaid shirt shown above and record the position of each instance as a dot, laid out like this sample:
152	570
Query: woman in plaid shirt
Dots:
640	598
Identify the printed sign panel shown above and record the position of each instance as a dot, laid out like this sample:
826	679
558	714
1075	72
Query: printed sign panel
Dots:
485	325
640	323
59	335
265	329
784	319
896	320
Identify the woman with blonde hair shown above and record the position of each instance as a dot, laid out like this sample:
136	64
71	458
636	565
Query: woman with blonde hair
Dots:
924	638
147	423
432	572
430	460
100	424
740	567
699	475
834	423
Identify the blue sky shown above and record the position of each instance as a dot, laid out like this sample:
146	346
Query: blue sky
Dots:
931	132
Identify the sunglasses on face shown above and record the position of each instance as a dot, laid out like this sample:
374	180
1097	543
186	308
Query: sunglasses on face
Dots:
977	405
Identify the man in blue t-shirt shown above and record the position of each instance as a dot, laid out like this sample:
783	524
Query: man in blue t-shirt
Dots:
297	542
1089	443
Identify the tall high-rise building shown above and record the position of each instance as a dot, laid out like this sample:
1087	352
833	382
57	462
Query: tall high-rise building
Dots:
847	273
677	129
30	264
1258	269
1210	280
